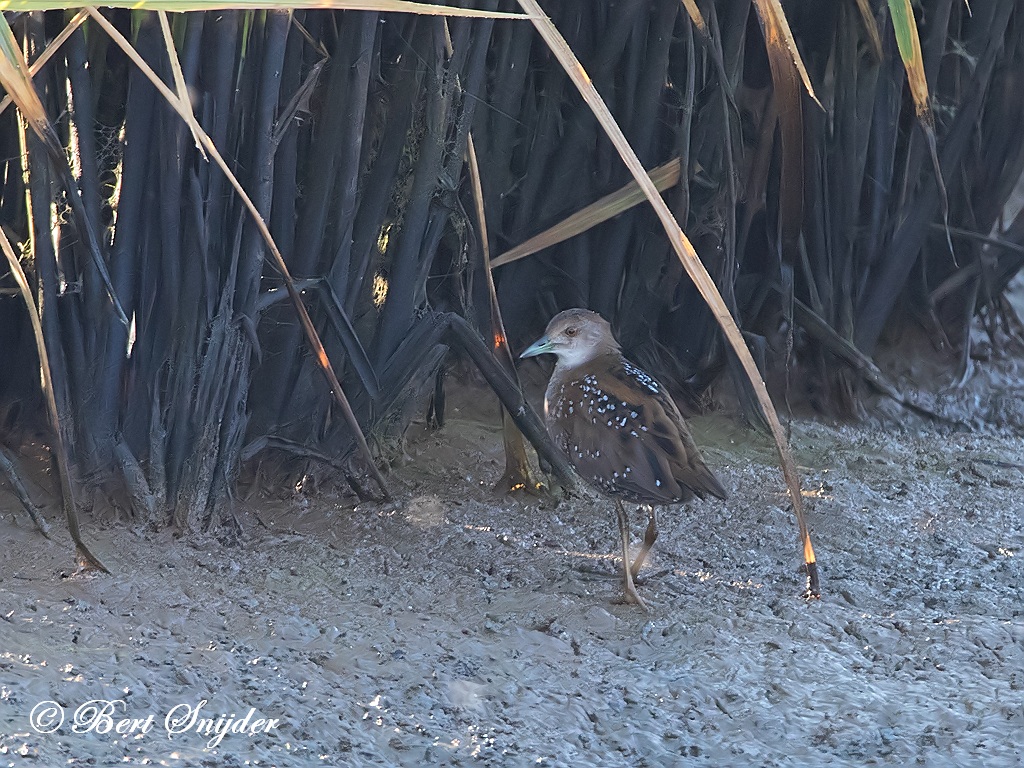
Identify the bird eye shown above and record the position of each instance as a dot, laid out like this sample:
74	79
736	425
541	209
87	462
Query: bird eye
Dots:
571	331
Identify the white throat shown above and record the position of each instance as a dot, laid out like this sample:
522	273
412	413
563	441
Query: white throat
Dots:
576	356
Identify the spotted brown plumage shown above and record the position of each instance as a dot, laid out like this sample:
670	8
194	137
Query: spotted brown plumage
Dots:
618	426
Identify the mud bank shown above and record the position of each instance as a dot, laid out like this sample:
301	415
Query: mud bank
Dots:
454	627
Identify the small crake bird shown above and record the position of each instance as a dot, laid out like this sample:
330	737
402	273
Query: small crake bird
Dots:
618	426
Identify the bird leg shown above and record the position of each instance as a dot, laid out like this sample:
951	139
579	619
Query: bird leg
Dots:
627	574
650	536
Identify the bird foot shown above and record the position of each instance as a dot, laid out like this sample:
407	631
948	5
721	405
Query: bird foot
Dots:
630	597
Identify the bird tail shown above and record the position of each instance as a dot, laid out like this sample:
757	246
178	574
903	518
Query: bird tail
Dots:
707	483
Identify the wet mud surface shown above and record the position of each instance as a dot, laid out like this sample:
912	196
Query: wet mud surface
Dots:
457	627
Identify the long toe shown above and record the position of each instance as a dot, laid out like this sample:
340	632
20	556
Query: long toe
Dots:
629	588
631	597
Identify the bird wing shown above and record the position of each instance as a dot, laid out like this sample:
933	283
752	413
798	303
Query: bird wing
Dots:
626	435
668	444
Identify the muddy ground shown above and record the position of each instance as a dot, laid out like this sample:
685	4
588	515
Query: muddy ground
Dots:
456	627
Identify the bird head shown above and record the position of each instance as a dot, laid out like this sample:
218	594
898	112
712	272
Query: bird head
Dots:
575	336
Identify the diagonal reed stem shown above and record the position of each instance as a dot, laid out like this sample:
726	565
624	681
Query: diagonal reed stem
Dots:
691	263
307	324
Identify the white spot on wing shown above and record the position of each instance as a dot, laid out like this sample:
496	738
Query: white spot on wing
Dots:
643	378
